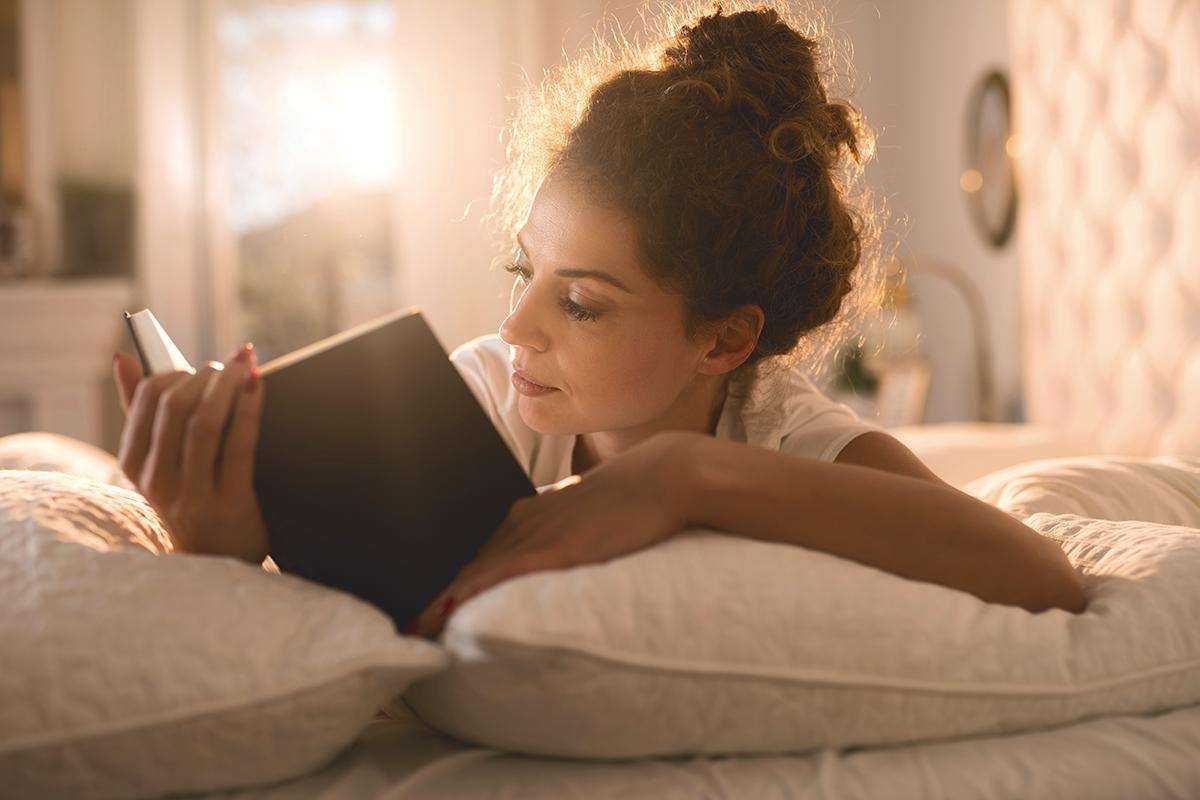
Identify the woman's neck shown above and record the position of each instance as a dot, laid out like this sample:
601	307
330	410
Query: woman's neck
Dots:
697	409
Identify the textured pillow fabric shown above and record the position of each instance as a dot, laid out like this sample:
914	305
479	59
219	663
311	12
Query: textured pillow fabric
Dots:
1163	489
131	674
711	644
52	452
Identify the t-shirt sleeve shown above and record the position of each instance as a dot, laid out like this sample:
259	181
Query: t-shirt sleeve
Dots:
819	427
485	372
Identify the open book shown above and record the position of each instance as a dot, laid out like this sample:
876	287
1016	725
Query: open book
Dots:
377	470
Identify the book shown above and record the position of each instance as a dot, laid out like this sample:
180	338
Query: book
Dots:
377	470
155	349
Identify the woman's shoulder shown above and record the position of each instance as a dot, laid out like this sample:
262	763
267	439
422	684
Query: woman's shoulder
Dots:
790	412
785	391
485	364
483	353
481	364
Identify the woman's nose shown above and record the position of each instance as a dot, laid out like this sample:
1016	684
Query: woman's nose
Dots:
521	327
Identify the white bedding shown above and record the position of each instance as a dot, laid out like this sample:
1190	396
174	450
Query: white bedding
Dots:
1114	758
1119	757
1147	757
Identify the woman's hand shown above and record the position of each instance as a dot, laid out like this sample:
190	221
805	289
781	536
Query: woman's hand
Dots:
623	505
188	446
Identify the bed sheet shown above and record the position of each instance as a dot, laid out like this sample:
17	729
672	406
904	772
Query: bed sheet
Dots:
1143	757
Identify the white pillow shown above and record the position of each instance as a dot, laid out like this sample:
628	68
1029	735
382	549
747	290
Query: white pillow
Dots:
711	644
131	674
1163	489
53	452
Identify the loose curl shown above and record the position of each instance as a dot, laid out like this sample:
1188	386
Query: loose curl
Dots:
744	180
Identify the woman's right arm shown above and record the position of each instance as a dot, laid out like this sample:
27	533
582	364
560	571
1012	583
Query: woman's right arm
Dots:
201	485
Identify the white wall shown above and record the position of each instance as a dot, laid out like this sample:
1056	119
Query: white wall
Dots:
77	71
453	77
918	61
94	105
459	65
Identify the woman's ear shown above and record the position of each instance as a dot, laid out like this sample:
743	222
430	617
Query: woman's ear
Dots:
736	337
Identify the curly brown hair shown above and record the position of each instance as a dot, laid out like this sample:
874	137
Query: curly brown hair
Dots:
742	176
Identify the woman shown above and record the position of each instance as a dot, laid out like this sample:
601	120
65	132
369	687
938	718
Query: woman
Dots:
690	235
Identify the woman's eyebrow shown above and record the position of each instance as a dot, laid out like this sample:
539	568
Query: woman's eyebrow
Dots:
582	273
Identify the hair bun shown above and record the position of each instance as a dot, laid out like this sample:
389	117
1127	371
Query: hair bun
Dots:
755	63
758	39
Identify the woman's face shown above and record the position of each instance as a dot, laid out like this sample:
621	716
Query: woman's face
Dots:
586	320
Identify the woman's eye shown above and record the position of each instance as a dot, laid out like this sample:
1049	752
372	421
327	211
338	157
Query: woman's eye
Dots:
578	312
573	309
518	270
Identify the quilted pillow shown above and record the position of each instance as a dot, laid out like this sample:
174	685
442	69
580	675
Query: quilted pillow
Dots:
52	452
131	674
711	644
1162	489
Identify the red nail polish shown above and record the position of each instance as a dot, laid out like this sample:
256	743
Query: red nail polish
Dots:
447	606
411	630
252	379
243	355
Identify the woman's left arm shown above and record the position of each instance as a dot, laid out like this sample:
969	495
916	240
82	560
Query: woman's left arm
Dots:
916	527
919	528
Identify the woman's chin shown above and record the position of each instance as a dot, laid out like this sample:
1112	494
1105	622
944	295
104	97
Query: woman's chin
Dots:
540	419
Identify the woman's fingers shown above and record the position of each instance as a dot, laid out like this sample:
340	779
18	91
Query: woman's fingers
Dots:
237	460
208	434
162	470
136	435
127	372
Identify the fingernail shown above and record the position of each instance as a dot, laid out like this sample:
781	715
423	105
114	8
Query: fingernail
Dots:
252	379
447	606
411	630
244	354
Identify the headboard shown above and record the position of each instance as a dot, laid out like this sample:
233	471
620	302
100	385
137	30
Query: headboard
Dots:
1107	107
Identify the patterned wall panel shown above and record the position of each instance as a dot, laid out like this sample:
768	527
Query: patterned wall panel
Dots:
1107	106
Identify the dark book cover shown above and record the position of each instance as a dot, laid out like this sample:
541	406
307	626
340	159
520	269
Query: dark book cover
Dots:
377	471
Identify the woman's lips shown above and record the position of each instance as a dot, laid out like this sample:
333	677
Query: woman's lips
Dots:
528	387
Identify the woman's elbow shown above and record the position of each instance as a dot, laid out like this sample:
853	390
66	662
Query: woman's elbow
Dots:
1060	586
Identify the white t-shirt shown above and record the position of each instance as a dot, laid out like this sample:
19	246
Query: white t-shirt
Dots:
787	413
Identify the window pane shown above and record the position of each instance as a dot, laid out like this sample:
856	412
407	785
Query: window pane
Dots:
309	138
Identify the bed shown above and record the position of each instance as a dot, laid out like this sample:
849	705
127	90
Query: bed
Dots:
1111	308
1117	758
1111	360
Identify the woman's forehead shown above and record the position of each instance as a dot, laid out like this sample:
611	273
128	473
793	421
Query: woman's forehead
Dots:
565	228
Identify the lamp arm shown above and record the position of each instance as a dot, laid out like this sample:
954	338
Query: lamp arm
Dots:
978	312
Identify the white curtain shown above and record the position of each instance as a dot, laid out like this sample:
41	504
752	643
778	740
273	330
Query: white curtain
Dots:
457	67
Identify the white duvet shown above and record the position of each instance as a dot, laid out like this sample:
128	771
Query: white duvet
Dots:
1163	490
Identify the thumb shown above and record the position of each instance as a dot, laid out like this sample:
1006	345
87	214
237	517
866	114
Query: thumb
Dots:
127	372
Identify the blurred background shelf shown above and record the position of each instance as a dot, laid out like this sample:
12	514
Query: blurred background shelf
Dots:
57	338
